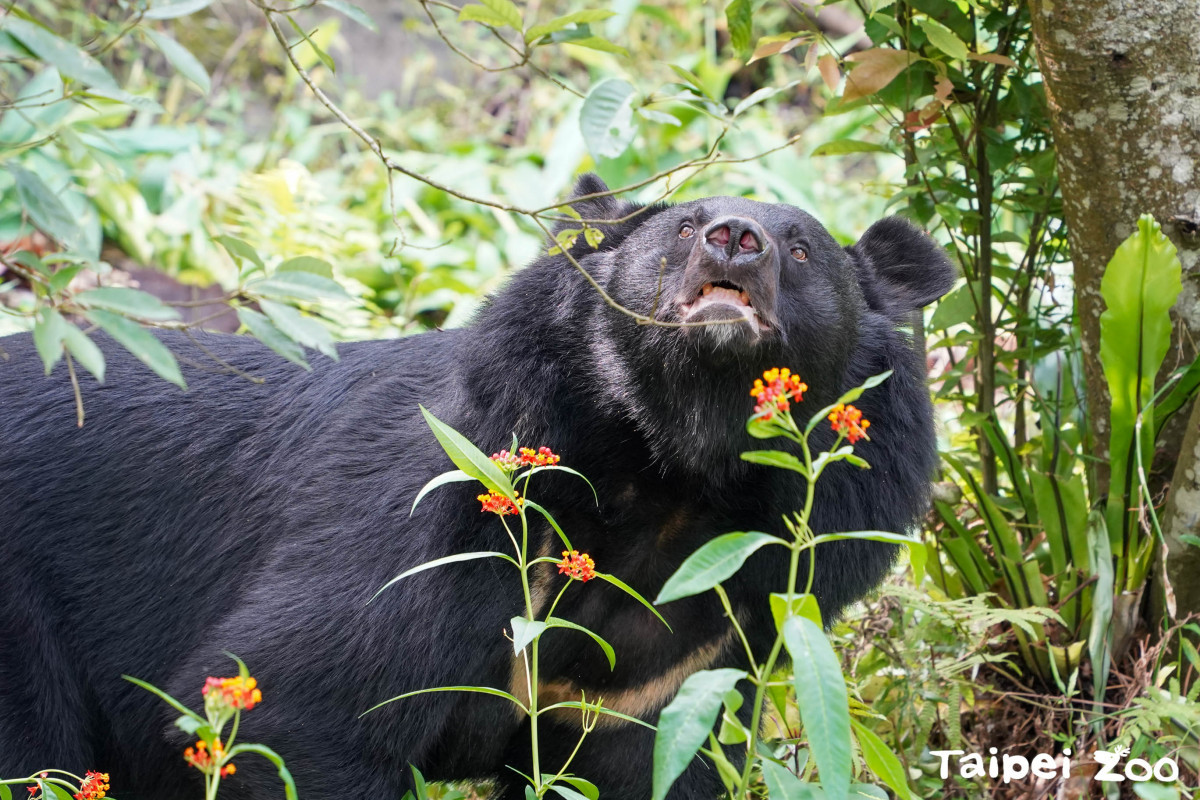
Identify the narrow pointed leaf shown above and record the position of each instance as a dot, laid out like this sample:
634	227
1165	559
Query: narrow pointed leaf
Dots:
713	563
686	722
824	707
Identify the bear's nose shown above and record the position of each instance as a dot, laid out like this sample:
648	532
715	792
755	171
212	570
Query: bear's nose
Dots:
730	237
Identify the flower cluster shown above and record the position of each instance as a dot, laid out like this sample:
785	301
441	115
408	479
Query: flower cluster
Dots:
525	457
847	421
775	391
205	761
231	693
577	565
93	787
499	504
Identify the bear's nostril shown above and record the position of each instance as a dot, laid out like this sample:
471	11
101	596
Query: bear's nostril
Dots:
719	237
749	242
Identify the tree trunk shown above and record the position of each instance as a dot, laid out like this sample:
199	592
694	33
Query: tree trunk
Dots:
1123	82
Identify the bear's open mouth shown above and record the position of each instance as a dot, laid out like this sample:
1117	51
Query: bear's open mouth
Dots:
725	293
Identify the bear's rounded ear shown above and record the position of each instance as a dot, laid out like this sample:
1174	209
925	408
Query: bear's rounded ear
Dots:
901	268
607	207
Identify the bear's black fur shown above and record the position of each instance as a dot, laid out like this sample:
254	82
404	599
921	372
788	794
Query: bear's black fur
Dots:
259	518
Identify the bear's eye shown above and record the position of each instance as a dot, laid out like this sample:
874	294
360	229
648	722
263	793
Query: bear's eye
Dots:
686	231
800	254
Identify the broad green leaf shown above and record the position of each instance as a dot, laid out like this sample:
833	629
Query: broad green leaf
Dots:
453	476
1139	287
556	622
563	791
1153	790
296	285
240	251
525	631
585	787
882	761
47	211
865	791
265	331
305	330
943	38
130	302
1183	391
5	792
63	276
824	707
661	117
776	458
559	23
317	266
172	9
71	61
606	118
196	728
803	605
141	343
713	563
469	458
48	333
685	724
171	701
85	351
624	587
181	58
53	790
783	785
840	147
599	43
738	16
502	13
353	12
439	562
474	689
475	12
289	785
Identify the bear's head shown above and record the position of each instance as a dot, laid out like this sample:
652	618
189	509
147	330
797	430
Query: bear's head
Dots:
737	286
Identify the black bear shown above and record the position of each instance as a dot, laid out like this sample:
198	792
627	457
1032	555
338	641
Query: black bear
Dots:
259	518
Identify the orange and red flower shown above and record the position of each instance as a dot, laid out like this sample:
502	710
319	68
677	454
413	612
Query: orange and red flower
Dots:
577	565
235	693
847	421
93	787
205	761
525	457
499	504
775	391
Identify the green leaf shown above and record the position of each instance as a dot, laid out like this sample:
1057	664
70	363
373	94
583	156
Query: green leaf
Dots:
738	16
171	701
560	23
453	476
85	351
1184	390
685	724
592	707
438	562
305	330
847	397
265	331
776	458
1100	564
567	470
713	563
317	266
530	505
569	794
172	9
5	792
824	707
882	761
48	333
474	689
62	277
783	785
498	13
296	285
840	147
943	38
47	211
54	790
181	58
916	550
1155	791
525	631
802	605
556	622
129	302
606	118
617	582
70	61
141	343
759	95
240	251
585	787
289	785
353	12
599	43
469	458
1139	286
321	54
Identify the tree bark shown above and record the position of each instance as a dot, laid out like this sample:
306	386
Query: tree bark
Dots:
1123	82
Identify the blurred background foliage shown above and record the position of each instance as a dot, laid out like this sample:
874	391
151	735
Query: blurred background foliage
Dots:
170	152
